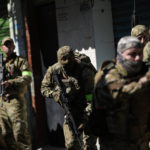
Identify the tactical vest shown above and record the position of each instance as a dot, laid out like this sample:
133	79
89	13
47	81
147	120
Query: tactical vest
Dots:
73	87
98	123
11	69
126	118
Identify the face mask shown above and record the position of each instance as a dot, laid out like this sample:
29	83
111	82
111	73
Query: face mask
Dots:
144	38
132	67
68	67
67	63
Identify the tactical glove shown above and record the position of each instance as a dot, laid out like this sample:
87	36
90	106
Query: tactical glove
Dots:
81	127
56	94
88	109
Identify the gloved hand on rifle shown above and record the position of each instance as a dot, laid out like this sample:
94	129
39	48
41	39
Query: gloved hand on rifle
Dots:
56	94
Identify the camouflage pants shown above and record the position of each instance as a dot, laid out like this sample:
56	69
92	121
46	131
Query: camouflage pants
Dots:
71	142
17	113
7	141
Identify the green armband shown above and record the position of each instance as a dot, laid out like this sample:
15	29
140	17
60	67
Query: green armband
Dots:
4	55
27	73
89	97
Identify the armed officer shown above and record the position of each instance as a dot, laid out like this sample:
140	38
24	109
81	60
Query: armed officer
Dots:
142	33
122	99
77	80
17	77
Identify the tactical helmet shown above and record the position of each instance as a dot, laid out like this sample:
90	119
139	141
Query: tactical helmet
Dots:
7	39
139	29
63	52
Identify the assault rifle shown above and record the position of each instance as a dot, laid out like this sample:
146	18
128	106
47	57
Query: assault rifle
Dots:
68	116
1	79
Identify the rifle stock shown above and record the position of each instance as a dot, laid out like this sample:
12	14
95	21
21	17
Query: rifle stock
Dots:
68	118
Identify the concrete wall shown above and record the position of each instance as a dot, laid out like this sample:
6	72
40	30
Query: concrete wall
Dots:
87	29
39	2
75	26
103	31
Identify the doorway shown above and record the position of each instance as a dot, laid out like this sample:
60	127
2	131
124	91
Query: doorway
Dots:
47	28
46	21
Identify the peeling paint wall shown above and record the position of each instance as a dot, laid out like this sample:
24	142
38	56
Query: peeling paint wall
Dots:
75	26
87	29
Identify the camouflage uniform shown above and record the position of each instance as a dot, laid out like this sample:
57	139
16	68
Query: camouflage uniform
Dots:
126	105
7	141
146	52
17	73
141	30
78	85
123	103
